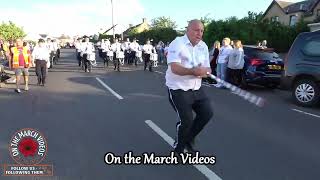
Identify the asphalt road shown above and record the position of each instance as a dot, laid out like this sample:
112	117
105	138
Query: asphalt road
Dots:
82	120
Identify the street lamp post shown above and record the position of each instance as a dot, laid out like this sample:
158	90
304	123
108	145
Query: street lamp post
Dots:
112	19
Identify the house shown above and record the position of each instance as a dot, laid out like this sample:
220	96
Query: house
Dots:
314	27
144	26
289	13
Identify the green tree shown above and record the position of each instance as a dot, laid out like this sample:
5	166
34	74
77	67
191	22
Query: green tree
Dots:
251	29
9	31
163	22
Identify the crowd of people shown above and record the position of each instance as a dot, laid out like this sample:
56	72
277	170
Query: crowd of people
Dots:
120	52
18	56
227	61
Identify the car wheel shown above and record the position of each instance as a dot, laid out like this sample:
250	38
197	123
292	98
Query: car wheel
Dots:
306	92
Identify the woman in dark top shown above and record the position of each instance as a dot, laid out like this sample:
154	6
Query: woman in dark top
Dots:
214	56
214	53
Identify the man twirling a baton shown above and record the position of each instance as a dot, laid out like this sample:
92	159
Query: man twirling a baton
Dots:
188	62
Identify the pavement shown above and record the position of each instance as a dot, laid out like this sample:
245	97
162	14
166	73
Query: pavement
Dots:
86	115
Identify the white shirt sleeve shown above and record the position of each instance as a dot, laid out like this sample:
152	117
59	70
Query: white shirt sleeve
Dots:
207	60
173	53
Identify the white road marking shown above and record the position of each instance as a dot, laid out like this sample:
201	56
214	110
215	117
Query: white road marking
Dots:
109	89
202	168
159	72
310	114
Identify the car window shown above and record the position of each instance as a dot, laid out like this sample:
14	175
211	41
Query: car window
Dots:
312	48
265	55
247	51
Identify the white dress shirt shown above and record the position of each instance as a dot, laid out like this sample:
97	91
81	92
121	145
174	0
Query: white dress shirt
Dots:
134	46
147	48
87	47
41	53
181	51
116	47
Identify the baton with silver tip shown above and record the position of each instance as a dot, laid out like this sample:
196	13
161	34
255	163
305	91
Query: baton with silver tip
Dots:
256	100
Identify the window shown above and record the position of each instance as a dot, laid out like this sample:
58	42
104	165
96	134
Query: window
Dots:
312	48
293	20
275	19
318	12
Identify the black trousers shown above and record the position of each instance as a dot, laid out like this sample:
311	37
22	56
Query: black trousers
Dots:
79	58
234	76
87	64
127	58
133	58
41	71
185	103
147	62
116	62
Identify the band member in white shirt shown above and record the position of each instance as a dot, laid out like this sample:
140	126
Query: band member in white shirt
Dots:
126	48
88	48
104	49
188	62
56	50
147	49
41	57
50	47
134	47
116	47
77	45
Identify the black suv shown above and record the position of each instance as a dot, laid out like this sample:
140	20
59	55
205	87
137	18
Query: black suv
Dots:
262	66
302	69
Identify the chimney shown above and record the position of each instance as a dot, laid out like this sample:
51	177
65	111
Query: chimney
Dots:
130	25
144	20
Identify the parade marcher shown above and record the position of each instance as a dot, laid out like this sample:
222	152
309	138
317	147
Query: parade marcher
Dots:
20	61
188	62
56	50
77	45
104	50
50	47
41	57
147	49
87	48
126	48
116	48
134	48
82	49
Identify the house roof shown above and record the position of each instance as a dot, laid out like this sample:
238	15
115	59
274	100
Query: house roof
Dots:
306	6
131	28
284	4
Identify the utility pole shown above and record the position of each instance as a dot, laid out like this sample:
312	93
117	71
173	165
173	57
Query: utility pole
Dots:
112	19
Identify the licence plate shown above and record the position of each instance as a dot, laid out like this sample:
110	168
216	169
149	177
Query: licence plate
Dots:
274	67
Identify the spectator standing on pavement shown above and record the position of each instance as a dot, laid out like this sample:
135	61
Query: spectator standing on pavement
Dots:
214	53
235	64
41	56
20	61
147	48
222	61
188	62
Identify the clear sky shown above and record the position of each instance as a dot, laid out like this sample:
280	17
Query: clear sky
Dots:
79	17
